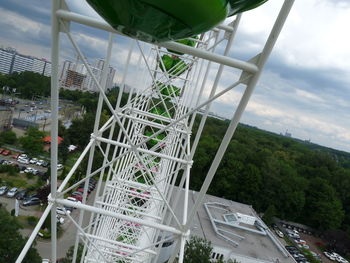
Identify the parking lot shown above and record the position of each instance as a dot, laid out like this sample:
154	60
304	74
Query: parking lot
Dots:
304	242
66	240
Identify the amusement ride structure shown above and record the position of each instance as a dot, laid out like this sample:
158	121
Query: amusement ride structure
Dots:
147	143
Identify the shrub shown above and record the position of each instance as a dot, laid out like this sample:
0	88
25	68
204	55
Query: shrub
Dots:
32	220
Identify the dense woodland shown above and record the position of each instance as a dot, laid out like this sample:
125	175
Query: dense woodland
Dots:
278	176
281	176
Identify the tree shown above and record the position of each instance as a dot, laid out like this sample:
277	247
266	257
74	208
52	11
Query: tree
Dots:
269	214
9	137
11	241
69	255
31	145
32	142
323	207
197	250
35	133
43	193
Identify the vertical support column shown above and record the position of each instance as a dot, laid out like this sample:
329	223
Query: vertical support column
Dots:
96	126
55	31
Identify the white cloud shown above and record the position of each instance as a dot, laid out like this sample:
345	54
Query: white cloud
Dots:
22	25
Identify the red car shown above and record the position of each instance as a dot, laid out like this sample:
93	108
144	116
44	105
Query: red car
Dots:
78	197
15	156
1	150
81	190
6	152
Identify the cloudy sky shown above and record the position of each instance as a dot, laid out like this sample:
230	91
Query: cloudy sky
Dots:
305	88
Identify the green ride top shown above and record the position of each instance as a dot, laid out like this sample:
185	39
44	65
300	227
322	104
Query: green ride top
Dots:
164	20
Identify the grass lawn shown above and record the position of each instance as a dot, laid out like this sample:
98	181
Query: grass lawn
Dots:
18	180
73	157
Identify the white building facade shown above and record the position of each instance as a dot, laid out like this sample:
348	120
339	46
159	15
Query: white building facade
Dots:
11	61
6	59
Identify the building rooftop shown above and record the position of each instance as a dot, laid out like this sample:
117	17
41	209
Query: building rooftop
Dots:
235	228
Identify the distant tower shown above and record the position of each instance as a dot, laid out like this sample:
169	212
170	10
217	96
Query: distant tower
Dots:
287	134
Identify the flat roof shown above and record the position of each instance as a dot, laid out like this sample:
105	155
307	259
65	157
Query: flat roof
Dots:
253	245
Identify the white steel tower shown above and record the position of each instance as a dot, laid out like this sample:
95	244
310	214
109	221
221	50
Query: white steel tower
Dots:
146	143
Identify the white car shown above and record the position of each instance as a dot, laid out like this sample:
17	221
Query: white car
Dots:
62	211
33	160
24	156
73	200
12	192
60	219
40	162
31	170
279	233
59	166
329	255
45	261
23	160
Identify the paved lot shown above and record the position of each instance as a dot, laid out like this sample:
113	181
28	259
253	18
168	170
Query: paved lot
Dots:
311	241
44	246
37	167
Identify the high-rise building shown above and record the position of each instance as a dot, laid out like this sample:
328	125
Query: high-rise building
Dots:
47	69
99	63
6	58
38	65
71	76
11	61
22	63
75	76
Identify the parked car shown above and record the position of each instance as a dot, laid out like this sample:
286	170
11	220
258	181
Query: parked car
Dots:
15	156
6	152
23	156
90	186
59	166
78	196
77	193
45	164
62	211
329	255
31	170
293	235
3	190
303	246
68	208
72	199
39	162
60	219
1	150
33	161
81	190
21	195
23	160
2	161
31	201
279	233
300	241
12	192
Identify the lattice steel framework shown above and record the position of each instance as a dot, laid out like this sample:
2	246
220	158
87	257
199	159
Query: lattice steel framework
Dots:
146	142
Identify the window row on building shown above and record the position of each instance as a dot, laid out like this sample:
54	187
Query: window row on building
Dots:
11	61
